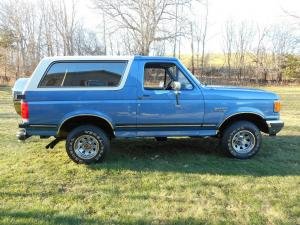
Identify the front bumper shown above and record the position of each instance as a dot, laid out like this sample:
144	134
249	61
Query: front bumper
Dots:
274	126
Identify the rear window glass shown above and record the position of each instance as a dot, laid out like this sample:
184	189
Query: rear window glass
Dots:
84	74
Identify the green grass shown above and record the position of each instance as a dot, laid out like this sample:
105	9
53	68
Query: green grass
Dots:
182	181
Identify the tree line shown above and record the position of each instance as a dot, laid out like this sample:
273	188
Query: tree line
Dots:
31	30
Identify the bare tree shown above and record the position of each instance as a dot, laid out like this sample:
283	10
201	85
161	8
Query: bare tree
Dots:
104	33
228	41
198	38
19	18
86	42
48	30
176	28
65	23
200	21
294	15
144	20
6	45
182	24
192	48
204	34
159	48
243	42
41	28
260	54
283	42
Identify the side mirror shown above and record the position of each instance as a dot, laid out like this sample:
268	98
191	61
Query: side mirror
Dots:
176	86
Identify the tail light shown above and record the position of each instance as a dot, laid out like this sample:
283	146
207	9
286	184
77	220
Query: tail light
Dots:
24	111
277	106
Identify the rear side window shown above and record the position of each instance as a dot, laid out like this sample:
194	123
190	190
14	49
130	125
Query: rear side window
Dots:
84	74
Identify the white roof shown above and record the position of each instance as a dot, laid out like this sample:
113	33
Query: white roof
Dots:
54	58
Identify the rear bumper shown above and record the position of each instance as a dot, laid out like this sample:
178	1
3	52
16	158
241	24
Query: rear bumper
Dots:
274	126
27	130
22	134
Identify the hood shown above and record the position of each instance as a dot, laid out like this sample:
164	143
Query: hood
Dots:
228	92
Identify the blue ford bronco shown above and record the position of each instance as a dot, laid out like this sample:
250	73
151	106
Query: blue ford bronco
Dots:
87	101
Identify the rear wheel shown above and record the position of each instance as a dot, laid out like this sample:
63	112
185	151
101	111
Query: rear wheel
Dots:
241	140
87	144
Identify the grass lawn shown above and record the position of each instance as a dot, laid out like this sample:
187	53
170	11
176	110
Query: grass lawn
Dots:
183	181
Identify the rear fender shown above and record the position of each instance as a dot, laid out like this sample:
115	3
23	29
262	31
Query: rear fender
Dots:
86	113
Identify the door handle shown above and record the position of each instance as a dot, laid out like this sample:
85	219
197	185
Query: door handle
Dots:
144	96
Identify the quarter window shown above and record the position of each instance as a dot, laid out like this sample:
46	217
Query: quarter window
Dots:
84	74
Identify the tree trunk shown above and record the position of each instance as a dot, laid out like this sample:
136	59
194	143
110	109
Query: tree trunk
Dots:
192	48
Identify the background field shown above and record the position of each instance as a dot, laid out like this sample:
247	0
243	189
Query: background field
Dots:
183	181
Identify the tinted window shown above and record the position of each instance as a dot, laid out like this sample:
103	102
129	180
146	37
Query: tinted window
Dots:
84	74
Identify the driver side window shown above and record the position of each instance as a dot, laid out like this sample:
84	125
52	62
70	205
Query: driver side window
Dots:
159	76
156	77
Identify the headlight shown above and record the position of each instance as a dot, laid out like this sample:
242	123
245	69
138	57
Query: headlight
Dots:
277	106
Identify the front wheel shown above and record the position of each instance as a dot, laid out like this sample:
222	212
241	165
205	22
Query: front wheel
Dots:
241	140
87	144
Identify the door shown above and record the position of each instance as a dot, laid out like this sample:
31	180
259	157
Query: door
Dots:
162	112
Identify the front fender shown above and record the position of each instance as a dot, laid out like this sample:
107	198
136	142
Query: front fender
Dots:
228	116
241	110
217	111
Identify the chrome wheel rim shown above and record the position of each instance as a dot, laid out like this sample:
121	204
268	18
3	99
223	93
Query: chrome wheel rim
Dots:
87	146
243	141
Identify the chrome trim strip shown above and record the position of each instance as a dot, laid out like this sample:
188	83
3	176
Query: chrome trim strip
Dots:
125	126
42	125
164	125
209	125
78	115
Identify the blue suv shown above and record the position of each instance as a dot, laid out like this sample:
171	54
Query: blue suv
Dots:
88	100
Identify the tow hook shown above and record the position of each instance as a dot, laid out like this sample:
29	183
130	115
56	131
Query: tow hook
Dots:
53	143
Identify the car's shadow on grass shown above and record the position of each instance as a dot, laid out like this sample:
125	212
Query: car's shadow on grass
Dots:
278	157
56	217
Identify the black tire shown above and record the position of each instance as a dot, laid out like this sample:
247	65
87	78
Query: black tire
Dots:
241	140
96	143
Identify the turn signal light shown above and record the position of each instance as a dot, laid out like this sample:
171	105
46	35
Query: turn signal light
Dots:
277	106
